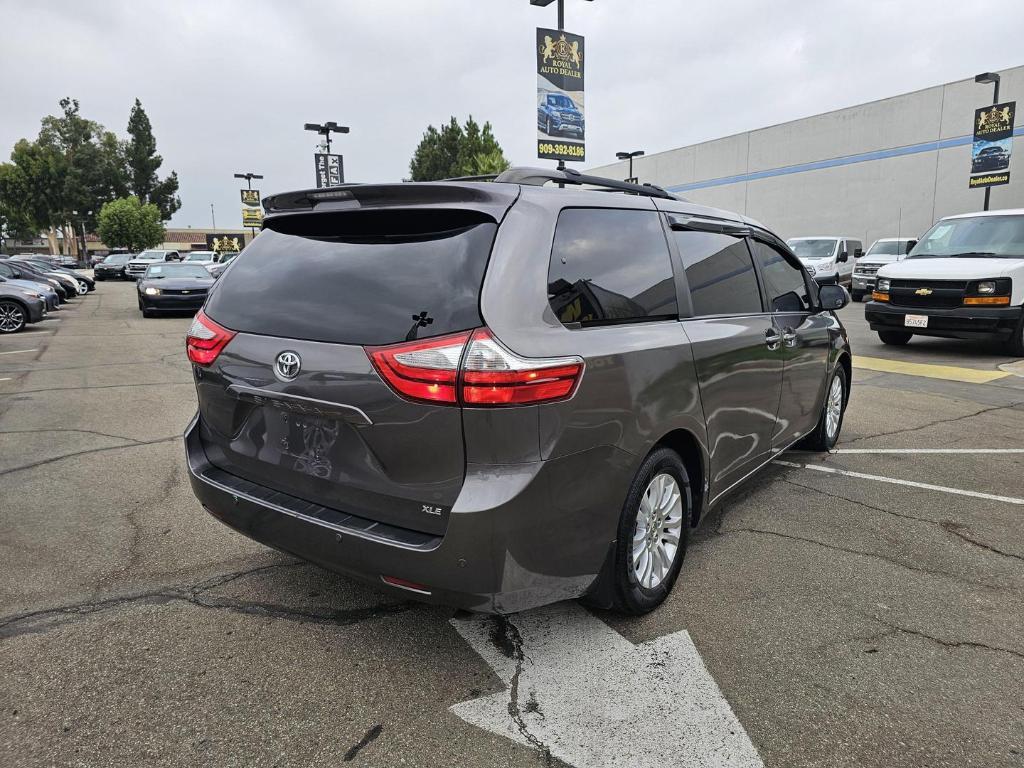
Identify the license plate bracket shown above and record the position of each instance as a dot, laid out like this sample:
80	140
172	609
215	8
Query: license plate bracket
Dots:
915	321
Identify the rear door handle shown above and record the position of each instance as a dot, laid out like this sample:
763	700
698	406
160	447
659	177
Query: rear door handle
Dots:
789	337
772	338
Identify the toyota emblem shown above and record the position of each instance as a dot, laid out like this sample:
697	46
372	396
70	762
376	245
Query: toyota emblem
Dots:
287	366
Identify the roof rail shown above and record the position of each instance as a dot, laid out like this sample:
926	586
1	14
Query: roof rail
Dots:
480	177
540	176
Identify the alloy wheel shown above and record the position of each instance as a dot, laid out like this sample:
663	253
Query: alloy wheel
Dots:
659	522
12	317
83	288
834	407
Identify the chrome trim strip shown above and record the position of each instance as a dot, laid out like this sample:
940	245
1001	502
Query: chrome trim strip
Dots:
299	404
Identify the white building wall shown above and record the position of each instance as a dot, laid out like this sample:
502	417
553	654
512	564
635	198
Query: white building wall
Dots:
870	197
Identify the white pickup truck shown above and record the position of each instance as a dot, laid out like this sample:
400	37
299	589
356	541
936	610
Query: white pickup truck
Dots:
963	280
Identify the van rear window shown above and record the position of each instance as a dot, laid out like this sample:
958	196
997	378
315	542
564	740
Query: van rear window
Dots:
357	278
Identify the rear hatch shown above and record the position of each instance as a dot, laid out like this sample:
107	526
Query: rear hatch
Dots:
293	402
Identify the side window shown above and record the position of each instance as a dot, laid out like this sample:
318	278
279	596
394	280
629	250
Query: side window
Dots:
784	283
610	266
720	273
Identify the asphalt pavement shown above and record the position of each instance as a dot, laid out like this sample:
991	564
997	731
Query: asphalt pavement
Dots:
864	608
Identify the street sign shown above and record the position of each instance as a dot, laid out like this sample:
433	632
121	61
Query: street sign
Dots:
330	170
993	144
560	119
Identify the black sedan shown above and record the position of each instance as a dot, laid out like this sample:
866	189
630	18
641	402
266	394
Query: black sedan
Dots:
113	267
173	287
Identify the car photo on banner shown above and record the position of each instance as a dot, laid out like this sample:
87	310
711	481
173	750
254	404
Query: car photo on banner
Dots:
561	124
991	155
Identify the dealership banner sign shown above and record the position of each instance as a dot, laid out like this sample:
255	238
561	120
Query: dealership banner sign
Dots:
993	144
252	211
330	172
224	242
560	122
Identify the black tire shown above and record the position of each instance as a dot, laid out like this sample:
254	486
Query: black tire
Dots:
820	439
895	338
857	295
13	316
99	278
1016	342
629	595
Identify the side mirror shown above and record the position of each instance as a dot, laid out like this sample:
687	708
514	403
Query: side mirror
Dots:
910	245
833	297
858	253
843	256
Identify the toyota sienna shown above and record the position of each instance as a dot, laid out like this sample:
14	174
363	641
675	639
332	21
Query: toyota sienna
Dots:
496	395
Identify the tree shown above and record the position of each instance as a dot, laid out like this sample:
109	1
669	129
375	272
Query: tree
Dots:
142	163
127	223
16	220
457	150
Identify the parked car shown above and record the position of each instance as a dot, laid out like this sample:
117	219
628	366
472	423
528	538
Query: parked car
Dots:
19	307
990	159
71	285
49	292
82	283
137	266
173	288
558	114
885	250
963	280
499	395
828	259
223	260
202	258
23	271
113	267
44	292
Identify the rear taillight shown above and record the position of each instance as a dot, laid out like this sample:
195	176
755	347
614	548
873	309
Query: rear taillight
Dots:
422	370
475	369
205	340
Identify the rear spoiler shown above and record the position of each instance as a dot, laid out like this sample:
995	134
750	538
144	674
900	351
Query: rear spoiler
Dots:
489	198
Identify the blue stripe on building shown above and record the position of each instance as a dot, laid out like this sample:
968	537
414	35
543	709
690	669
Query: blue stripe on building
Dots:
881	154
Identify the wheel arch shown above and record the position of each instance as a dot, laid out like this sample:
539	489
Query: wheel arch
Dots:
694	458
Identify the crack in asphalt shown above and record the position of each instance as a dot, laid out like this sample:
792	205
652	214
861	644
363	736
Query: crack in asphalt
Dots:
955	529
44	430
99	386
42	462
44	620
509	641
941	641
935	423
368	737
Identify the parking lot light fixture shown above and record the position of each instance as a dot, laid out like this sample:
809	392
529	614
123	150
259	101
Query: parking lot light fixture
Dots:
325	130
989	77
629	156
248	178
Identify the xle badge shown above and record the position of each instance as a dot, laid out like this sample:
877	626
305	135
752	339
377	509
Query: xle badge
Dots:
428	509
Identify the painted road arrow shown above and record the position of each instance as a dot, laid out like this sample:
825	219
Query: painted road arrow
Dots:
581	692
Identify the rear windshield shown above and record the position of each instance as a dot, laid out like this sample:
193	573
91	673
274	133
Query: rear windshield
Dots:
359	278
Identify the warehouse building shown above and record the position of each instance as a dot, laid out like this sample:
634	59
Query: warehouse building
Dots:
886	168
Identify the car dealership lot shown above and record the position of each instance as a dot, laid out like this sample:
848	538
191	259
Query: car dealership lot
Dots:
847	619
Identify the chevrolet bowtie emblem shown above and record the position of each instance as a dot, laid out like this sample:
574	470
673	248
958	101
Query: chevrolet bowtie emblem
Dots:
923	291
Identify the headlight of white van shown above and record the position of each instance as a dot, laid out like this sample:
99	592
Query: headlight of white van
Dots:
987	286
882	286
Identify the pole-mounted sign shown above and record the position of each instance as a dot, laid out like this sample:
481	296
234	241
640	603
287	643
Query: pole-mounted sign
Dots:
252	211
993	143
330	170
560	122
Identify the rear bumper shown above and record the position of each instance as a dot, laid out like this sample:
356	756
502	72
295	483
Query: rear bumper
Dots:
958	323
519	535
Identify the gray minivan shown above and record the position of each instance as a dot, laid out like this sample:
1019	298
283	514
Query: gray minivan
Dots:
496	395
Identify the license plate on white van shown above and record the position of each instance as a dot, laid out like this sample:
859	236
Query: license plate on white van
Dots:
915	321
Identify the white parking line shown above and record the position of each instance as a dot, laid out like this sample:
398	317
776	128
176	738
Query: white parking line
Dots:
16	351
894	481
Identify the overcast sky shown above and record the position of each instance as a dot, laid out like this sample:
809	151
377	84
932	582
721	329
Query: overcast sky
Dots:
229	85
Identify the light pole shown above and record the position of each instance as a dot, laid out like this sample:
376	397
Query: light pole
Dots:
989	77
248	185
561	28
325	130
629	156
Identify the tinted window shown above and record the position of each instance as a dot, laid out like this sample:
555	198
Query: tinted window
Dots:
787	291
720	273
610	266
358	278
